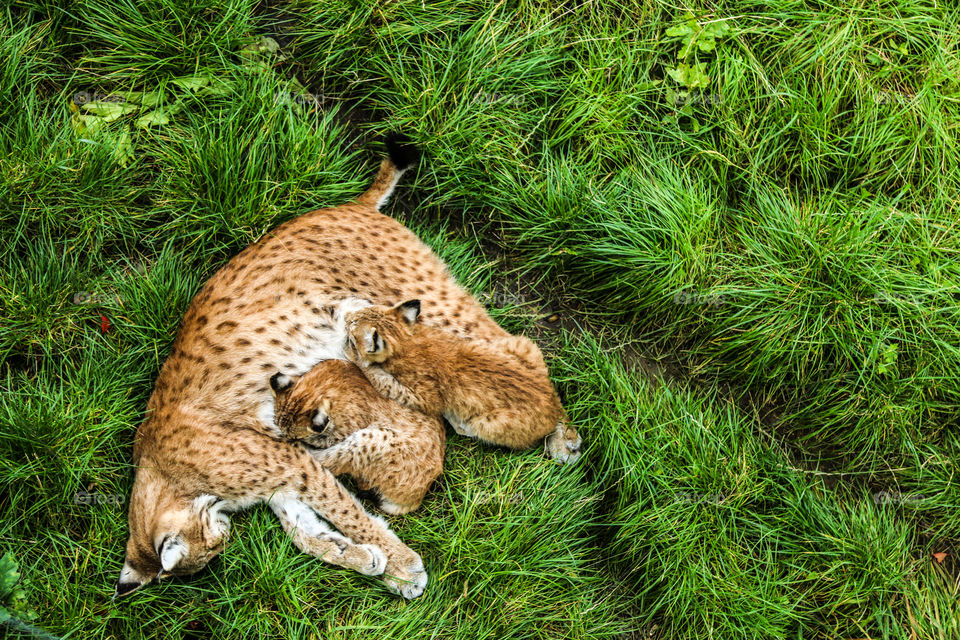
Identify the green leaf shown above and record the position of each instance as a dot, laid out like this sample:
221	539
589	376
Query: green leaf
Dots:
123	149
192	83
151	118
693	34
109	111
151	99
707	44
887	360
129	96
691	124
697	77
717	30
691	76
264	46
9	575
82	123
159	116
217	87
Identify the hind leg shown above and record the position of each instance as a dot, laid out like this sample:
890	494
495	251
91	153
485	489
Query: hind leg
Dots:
504	427
508	428
523	348
377	459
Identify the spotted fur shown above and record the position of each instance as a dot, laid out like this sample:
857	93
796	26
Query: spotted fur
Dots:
209	444
497	390
387	448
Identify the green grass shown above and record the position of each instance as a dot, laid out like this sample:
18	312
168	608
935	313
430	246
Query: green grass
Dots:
782	244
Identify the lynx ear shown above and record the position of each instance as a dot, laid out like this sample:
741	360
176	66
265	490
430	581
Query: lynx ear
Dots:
280	382
172	550
409	311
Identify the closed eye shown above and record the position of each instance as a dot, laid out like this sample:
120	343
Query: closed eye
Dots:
376	342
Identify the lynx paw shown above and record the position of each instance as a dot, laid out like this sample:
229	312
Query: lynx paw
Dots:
350	353
367	559
460	426
408	581
563	445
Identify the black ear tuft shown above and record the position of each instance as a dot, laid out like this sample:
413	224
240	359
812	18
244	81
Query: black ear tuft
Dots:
403	153
409	311
280	382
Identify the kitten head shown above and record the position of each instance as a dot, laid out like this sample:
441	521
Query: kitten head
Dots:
377	332
298	408
324	404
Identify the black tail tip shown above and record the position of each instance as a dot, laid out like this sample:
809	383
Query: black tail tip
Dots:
403	153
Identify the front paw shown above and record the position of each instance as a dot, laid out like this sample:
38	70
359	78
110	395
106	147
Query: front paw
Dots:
460	426
373	562
462	429
313	443
406	577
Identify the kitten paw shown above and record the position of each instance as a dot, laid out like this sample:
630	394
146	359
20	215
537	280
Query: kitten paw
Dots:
564	445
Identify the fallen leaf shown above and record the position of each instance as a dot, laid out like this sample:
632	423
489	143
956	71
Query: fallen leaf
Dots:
192	83
151	99
150	118
109	111
104	324
940	557
123	151
218	87
83	124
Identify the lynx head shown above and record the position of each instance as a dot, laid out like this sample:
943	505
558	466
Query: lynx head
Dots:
170	535
377	332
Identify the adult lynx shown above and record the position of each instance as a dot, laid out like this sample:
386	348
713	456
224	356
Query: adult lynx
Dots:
209	446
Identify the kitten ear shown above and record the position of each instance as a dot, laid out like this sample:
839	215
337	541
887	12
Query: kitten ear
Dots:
172	550
319	421
409	311
280	382
129	581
